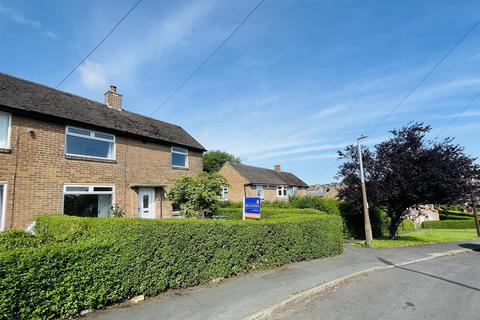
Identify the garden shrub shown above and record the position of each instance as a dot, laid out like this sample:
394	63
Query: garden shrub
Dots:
406	226
354	225
449	224
88	263
230	204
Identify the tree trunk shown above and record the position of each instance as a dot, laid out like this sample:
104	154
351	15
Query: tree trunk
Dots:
392	228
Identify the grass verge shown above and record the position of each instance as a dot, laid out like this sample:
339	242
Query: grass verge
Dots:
424	237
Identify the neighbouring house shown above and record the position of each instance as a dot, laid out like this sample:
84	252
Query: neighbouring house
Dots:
421	213
328	190
61	153
270	185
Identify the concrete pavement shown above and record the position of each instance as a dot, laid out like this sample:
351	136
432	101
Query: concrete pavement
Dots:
442	289
243	296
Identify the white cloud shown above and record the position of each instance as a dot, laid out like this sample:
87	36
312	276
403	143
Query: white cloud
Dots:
162	39
93	75
21	19
326	112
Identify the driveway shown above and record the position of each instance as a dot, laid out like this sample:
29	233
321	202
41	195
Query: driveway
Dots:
443	288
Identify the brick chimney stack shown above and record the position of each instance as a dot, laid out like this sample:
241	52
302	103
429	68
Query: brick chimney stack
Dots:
278	168
113	99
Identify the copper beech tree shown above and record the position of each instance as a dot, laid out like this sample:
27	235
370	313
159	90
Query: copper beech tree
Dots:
407	170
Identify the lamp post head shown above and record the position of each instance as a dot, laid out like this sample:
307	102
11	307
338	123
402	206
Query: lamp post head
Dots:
361	137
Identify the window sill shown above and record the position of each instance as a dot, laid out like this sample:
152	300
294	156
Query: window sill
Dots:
5	150
180	168
91	159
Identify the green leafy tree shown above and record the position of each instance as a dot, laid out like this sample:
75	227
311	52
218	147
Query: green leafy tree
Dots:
405	171
214	160
197	196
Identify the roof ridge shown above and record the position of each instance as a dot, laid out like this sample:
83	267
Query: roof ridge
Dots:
272	170
53	89
40	100
84	98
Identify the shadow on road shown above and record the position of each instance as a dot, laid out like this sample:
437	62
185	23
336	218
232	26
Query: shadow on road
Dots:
430	275
471	246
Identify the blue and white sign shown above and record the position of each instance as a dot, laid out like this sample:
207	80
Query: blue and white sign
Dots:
251	207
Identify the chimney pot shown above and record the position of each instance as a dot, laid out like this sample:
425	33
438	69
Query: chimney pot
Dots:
113	100
277	168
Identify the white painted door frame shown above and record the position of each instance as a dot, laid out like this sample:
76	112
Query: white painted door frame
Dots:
3	205
146	203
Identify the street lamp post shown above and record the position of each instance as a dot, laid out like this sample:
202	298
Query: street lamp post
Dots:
474	205
368	227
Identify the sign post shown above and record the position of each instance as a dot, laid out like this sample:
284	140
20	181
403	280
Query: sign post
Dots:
251	207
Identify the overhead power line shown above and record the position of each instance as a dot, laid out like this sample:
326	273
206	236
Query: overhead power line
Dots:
99	43
424	77
204	62
468	105
418	84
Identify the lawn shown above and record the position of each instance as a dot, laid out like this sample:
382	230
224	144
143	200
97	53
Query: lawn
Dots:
425	236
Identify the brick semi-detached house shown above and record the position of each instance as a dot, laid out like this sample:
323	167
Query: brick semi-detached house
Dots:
269	185
61	153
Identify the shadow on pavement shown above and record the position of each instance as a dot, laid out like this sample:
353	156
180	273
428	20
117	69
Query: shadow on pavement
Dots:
430	275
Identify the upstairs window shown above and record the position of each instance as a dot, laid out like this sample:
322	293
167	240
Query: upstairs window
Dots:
179	157
281	191
88	143
5	124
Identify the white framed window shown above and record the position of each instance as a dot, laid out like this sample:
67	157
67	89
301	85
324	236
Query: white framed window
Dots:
281	191
179	157
3	205
259	190
225	194
89	143
88	200
5	130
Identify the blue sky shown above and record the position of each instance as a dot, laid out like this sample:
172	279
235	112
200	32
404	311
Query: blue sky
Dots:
297	82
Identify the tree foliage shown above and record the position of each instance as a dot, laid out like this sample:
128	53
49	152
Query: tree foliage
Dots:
197	196
405	171
214	160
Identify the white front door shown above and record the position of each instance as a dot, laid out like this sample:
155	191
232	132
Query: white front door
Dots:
146	202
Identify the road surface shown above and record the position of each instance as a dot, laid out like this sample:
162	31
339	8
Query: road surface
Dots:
443	288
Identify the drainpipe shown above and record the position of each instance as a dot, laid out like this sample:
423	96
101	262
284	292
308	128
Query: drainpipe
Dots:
17	150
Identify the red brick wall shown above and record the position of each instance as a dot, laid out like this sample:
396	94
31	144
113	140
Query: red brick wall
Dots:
43	170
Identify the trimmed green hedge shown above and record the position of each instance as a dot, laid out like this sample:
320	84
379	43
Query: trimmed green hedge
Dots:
406	226
267	213
449	224
88	263
454	217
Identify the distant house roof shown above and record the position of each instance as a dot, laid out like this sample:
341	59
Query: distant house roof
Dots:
256	175
34	99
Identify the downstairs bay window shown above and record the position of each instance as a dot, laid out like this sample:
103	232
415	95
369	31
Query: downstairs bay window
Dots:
88	201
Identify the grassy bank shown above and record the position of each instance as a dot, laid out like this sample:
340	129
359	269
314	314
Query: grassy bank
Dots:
425	236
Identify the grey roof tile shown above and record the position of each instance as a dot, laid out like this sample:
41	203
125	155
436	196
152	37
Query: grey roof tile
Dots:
256	175
38	100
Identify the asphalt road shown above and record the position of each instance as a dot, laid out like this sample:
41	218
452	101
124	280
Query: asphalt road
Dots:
443	288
